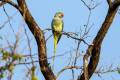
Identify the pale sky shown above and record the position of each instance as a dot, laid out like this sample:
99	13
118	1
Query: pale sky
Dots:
75	16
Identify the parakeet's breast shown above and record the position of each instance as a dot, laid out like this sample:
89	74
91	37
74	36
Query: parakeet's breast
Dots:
58	25
58	28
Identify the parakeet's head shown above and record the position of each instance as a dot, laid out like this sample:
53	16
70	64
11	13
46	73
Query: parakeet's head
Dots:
59	14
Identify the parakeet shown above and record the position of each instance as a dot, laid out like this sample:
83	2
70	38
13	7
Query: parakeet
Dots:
57	28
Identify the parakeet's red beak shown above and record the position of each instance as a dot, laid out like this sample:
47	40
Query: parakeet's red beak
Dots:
62	15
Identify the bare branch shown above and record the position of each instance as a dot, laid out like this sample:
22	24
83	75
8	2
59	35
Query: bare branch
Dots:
86	31
29	46
85	68
68	67
115	4
48	38
71	35
109	2
94	52
86	4
7	21
40	39
89	8
11	3
107	71
2	3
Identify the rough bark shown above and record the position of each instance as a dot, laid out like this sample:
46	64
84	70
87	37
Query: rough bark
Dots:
40	39
94	50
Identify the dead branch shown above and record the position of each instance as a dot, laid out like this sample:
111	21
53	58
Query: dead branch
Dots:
38	34
109	2
94	51
2	3
68	67
7	21
71	35
40	39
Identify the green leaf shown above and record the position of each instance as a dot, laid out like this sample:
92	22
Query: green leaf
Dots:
118	70
17	57
1	76
3	68
5	55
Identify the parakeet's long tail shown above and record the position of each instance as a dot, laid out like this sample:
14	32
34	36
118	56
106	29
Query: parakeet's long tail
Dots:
55	46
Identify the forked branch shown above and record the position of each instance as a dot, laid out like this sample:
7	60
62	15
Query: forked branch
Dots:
40	39
94	50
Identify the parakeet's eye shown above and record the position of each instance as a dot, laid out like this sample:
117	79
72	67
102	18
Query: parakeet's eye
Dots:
62	15
59	14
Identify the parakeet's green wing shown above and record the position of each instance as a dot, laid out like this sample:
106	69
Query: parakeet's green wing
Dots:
53	29
61	32
52	26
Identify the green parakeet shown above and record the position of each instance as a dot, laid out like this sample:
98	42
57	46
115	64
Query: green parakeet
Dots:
57	28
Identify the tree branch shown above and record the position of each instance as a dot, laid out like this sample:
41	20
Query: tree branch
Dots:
2	3
109	2
11	3
40	39
94	50
68	67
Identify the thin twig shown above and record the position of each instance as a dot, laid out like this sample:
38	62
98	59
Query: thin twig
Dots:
66	68
28	42
8	19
